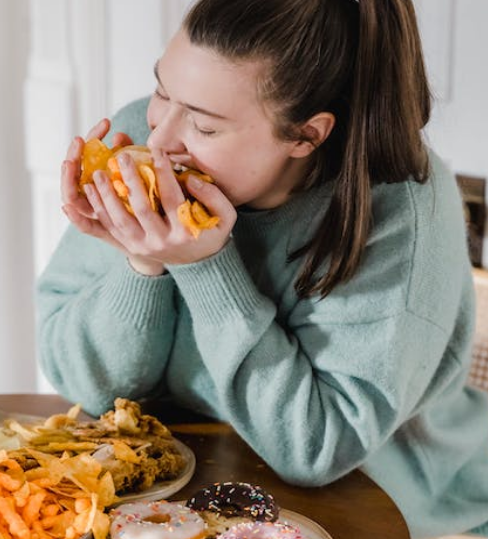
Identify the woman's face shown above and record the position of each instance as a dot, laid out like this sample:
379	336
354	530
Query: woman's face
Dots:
206	114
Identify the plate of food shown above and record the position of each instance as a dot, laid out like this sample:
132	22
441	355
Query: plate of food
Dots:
78	470
164	489
231	510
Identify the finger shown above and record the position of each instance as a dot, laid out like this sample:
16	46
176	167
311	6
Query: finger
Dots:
109	208
98	206
69	183
138	196
70	193
121	139
99	130
71	168
170	191
213	198
75	149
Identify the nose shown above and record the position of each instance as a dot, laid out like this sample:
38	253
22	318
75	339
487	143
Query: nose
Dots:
167	135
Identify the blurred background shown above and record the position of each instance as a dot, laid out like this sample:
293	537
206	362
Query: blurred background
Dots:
64	64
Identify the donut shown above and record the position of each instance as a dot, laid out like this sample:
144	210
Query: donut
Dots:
262	530
156	520
236	499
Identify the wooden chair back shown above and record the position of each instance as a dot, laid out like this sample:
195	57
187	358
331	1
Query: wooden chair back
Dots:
478	375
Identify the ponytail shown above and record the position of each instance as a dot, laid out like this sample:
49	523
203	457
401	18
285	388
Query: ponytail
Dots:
389	106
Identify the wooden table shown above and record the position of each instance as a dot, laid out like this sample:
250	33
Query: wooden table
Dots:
353	507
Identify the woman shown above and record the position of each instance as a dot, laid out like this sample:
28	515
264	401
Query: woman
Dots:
329	315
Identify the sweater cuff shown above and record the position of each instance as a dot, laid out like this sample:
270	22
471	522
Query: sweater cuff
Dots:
217	288
143	300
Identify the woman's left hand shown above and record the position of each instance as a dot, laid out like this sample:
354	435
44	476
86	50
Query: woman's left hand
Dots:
151	240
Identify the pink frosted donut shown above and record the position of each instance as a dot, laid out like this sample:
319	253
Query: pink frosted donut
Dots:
155	520
262	530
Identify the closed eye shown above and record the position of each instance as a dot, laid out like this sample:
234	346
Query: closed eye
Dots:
159	95
206	132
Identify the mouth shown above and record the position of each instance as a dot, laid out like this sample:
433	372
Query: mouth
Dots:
178	167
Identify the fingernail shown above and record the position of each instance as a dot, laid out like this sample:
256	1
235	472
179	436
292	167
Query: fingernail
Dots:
195	182
123	159
98	176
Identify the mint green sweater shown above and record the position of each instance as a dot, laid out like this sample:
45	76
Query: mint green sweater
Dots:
373	376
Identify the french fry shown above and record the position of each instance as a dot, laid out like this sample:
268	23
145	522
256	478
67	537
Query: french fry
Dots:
15	523
38	529
50	510
77	447
9	483
4	533
31	511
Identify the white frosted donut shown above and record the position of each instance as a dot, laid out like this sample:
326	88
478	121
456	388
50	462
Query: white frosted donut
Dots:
262	530
156	520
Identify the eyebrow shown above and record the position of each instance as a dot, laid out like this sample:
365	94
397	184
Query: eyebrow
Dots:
187	105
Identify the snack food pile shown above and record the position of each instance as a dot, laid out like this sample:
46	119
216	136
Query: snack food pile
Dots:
97	156
66	473
60	497
223	510
56	486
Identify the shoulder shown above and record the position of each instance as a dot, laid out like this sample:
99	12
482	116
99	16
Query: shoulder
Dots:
411	204
441	268
131	119
419	235
416	258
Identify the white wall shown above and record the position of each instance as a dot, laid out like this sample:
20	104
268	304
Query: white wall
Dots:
17	362
453	32
87	59
79	60
454	39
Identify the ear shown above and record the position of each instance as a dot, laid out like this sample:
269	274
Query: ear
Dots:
314	132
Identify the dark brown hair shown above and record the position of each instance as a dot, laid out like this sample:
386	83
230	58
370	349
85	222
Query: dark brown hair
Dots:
360	60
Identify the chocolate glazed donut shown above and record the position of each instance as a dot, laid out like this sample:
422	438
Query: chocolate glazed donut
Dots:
236	499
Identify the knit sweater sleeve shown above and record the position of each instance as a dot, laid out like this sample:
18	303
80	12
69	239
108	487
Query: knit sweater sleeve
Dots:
313	400
103	330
